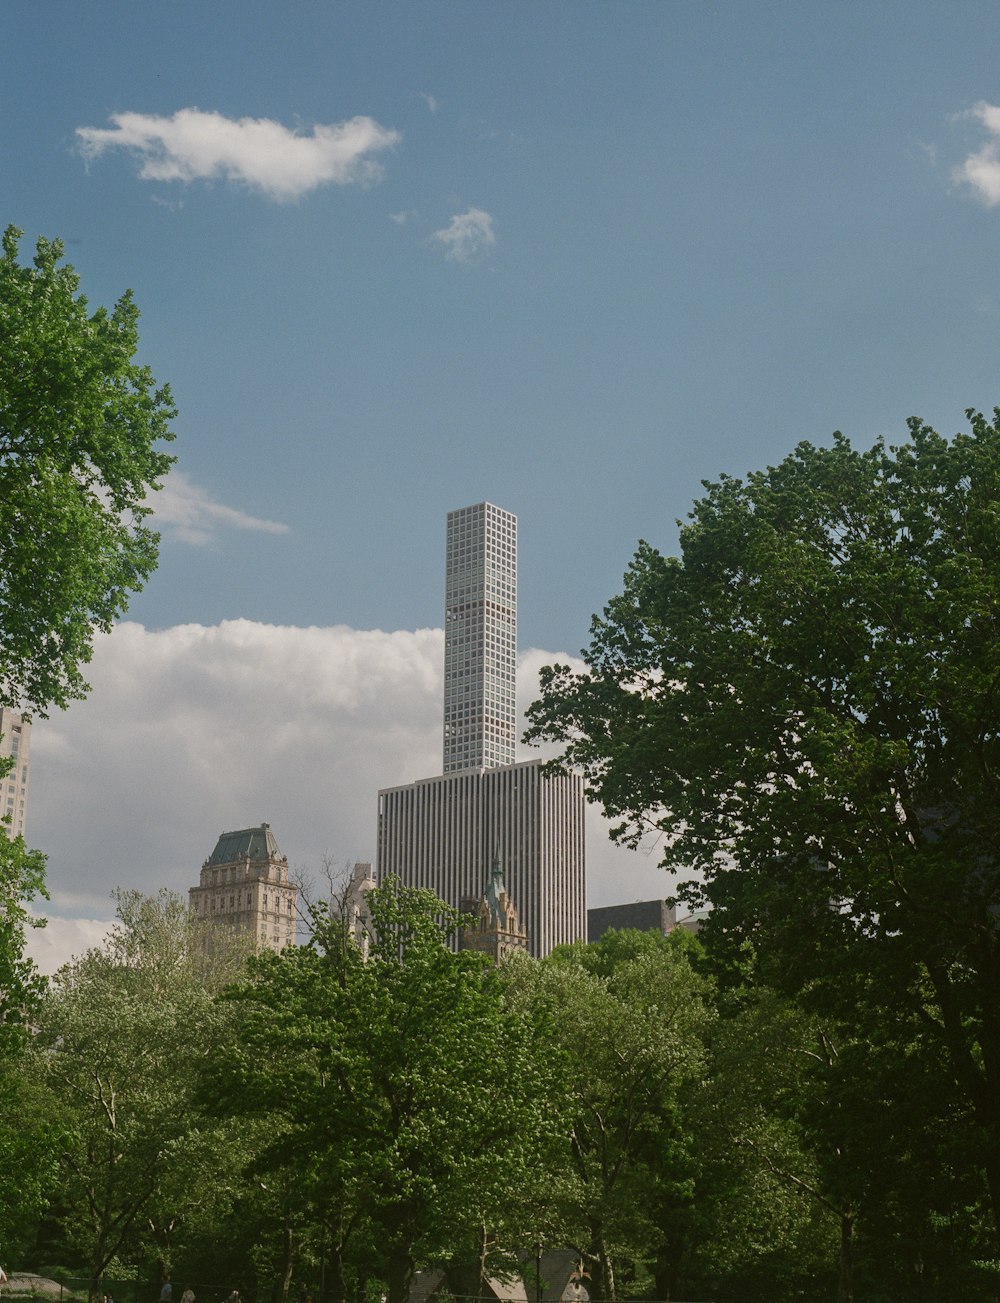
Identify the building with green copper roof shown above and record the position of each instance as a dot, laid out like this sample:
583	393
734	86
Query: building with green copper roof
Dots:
244	887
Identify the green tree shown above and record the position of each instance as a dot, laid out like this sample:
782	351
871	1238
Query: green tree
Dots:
410	1105
22	878
79	423
31	1134
121	1034
27	1127
805	702
627	1018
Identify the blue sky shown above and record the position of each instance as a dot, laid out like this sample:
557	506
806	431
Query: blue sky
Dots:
570	257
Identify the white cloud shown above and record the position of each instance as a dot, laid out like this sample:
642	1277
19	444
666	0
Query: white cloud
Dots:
61	939
262	154
981	170
467	234
432	103
187	512
193	730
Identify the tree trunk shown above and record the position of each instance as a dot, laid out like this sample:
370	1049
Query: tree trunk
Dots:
845	1281
981	1085
988	1102
99	1260
664	1277
400	1275
467	1279
336	1275
604	1273
288	1247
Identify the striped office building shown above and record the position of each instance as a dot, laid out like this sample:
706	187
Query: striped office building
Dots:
443	833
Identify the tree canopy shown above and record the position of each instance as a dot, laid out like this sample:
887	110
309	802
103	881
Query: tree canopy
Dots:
121	1034
80	425
806	704
413	1105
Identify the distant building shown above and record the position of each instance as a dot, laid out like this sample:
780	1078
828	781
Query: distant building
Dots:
640	915
643	915
480	638
441	833
15	744
493	927
244	887
354	906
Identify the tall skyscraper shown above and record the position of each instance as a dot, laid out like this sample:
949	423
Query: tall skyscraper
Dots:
244	887
15	743
480	638
443	833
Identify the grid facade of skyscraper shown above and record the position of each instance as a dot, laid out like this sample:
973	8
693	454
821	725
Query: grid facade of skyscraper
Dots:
15	744
480	638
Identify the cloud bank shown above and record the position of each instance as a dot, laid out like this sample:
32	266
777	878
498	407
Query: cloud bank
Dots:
257	152
186	512
194	730
981	170
467	235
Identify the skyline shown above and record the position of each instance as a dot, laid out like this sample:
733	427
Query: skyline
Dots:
573	258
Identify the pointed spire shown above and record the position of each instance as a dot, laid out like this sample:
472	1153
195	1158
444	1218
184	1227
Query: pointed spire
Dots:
495	887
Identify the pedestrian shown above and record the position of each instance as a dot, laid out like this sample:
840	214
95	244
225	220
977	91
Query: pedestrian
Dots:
188	1295
166	1292
3	1276
234	1297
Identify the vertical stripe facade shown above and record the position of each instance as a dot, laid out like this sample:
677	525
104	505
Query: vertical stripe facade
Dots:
442	834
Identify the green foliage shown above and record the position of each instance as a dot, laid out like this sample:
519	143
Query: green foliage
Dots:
805	703
22	878
122	1033
407	1101
31	1133
814	676
628	1018
79	423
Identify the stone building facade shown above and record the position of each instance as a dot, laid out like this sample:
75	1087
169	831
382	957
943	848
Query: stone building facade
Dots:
493	929
244	887
15	744
354	906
